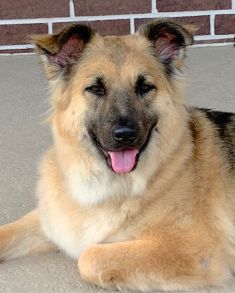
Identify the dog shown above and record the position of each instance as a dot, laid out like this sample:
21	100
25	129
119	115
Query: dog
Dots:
138	186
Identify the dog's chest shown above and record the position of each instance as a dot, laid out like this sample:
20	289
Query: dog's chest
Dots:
74	232
103	185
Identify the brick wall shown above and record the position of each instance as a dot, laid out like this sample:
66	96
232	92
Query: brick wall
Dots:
19	19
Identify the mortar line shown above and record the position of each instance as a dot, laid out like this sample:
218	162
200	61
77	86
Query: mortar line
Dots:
233	5
212	24
71	8
132	25
154	6
49	28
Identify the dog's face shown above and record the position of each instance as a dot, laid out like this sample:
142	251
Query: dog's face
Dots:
114	88
119	91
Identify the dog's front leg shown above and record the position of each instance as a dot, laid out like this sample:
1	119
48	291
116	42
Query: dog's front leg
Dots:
23	237
150	264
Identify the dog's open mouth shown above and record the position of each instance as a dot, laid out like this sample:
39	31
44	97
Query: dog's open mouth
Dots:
123	161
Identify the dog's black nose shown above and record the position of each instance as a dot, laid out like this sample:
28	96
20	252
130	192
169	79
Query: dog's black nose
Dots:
124	134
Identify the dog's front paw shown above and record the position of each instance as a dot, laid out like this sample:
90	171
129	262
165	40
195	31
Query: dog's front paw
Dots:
95	266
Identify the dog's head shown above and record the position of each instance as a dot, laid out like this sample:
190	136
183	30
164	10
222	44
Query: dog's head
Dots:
115	92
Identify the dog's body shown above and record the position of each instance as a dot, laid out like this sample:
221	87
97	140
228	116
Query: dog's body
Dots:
138	186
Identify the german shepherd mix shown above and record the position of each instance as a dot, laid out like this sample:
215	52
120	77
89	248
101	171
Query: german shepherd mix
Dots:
137	186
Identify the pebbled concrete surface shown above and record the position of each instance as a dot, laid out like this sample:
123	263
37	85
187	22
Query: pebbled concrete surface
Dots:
23	138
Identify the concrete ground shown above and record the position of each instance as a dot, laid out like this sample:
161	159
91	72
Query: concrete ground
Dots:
23	139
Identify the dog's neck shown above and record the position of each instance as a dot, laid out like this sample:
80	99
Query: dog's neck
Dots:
88	178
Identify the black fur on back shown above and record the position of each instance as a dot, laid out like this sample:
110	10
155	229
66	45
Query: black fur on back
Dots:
225	124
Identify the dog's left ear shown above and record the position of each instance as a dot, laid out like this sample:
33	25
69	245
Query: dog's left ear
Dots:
60	51
169	41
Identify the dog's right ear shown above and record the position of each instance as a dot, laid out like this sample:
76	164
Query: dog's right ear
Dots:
169	41
60	51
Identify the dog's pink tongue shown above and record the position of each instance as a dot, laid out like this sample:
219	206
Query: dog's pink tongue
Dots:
123	161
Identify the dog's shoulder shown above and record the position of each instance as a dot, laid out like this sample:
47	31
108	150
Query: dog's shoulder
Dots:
224	125
224	121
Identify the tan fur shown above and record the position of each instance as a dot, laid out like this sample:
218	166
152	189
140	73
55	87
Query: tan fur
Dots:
23	237
169	224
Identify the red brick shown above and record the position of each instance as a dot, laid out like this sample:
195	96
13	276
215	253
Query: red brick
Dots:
107	7
188	5
14	51
104	27
202	22
19	34
33	8
225	24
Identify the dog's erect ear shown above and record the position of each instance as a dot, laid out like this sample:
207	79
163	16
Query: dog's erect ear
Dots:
60	51
169	41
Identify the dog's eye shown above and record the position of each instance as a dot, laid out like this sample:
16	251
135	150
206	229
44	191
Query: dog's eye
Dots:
142	87
98	89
